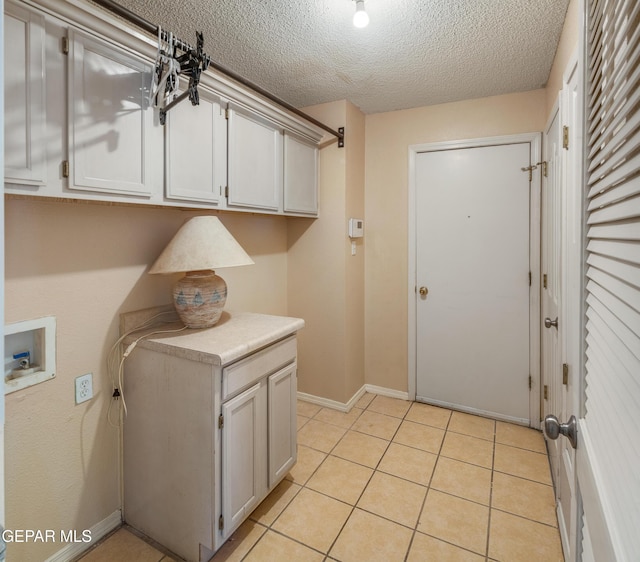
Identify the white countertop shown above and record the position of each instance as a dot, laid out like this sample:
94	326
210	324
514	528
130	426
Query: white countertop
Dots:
236	335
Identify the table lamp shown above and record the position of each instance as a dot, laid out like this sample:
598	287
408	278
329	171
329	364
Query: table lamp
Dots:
201	245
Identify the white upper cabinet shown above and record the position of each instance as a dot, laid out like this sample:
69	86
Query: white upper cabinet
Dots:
110	121
255	161
24	91
79	124
196	150
300	176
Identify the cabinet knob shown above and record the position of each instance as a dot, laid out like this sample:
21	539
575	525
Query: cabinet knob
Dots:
423	291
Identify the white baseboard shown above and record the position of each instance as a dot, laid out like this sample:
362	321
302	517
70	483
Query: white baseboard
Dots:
475	411
333	404
389	392
98	531
346	407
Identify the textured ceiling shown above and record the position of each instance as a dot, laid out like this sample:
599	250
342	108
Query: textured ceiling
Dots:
413	53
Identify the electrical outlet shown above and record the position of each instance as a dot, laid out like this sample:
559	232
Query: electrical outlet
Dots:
84	388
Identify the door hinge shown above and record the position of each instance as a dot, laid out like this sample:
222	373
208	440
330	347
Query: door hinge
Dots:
565	374
221	523
544	168
226	113
226	191
546	392
65	168
529	279
565	137
220	421
544	280
65	45
530	382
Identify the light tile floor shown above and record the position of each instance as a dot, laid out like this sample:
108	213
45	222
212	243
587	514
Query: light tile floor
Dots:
395	480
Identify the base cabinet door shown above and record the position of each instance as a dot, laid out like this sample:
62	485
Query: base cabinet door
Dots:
244	455
110	122
282	423
24	97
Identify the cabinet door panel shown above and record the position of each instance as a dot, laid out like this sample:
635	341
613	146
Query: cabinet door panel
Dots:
196	150
255	161
109	118
24	91
282	423
244	453
300	176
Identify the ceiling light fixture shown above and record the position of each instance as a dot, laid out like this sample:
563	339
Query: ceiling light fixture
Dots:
360	18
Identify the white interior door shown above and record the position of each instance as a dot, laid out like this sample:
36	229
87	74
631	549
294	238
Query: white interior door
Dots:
552	326
561	244
472	255
2	274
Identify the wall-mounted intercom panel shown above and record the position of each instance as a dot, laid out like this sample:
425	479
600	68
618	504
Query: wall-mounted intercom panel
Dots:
356	228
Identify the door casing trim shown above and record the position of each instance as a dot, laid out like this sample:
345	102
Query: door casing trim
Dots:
534	258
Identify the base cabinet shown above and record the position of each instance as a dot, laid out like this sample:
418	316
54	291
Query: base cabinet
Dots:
205	444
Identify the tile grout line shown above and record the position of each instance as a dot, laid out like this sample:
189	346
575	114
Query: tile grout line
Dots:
374	470
424	501
493	462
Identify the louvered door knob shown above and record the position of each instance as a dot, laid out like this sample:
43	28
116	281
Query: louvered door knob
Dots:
548	323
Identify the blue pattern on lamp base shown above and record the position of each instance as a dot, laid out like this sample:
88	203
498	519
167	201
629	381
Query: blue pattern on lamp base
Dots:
199	298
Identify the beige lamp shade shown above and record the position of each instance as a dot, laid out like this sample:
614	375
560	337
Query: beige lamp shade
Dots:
200	246
201	243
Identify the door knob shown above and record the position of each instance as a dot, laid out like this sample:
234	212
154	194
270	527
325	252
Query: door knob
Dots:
548	323
553	428
423	291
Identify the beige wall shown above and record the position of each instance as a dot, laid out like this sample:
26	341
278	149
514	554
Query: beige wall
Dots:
354	282
388	137
566	49
84	264
325	281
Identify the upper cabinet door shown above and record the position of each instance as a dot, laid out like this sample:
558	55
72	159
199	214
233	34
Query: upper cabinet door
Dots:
255	161
24	97
300	176
110	121
196	150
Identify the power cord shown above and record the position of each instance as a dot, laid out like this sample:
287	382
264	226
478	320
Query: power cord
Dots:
115	360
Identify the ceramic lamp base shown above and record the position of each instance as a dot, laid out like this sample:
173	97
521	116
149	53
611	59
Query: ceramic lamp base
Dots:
199	298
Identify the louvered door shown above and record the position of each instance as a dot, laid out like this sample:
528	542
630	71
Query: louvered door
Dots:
609	447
